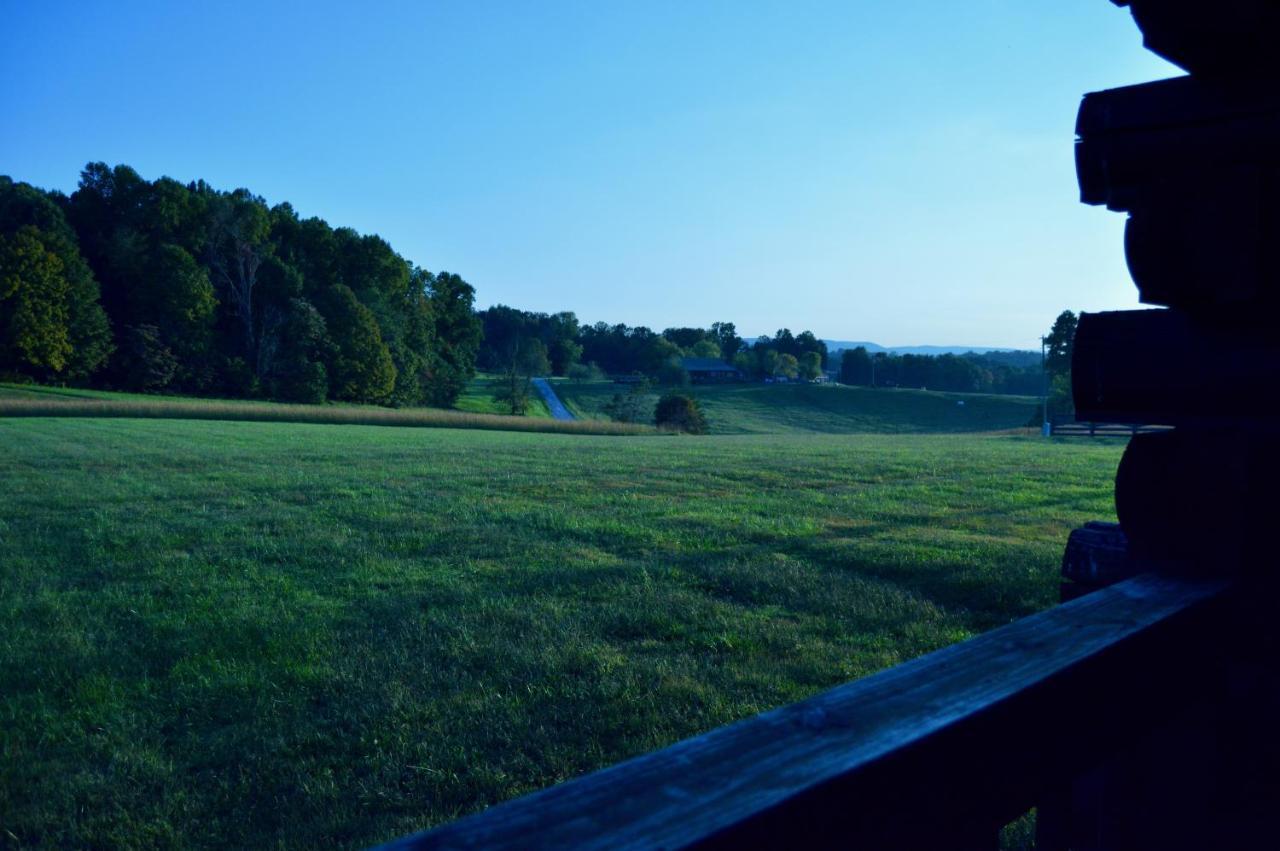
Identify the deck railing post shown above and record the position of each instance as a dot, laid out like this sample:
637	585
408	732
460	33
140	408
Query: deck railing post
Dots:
1160	791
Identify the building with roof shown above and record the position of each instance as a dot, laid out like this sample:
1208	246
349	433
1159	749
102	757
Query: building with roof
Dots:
710	370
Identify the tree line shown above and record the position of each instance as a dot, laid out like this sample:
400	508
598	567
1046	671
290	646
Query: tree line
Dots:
1016	373
569	348
160	286
164	286
586	351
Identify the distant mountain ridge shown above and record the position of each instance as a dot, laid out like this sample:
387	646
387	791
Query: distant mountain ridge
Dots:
836	345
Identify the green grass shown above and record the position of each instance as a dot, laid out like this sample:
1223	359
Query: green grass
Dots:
287	635
477	398
40	392
33	401
827	409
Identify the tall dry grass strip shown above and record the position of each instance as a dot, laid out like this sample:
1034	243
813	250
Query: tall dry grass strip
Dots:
319	414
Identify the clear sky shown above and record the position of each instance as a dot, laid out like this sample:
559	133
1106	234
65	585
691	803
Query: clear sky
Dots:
889	170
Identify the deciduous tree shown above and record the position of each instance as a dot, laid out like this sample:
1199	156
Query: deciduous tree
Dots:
35	337
1059	343
855	366
810	365
362	369
457	335
88	331
787	367
526	357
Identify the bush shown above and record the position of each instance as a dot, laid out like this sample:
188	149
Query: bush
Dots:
679	412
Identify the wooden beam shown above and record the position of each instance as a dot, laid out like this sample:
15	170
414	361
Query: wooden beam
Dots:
947	746
1171	132
1207	245
1224	38
1169	367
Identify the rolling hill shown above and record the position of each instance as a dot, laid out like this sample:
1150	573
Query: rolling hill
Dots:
827	409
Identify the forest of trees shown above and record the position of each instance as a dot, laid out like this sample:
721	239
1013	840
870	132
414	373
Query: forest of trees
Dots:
784	355
991	372
574	349
622	350
160	286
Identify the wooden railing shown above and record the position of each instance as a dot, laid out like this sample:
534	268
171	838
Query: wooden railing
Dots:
940	752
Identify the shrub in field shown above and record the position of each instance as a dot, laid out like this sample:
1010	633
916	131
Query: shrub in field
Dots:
679	412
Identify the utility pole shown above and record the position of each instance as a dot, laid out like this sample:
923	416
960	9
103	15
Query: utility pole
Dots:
1045	428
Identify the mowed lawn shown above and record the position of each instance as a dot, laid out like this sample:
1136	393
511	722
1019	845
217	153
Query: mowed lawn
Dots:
755	408
281	635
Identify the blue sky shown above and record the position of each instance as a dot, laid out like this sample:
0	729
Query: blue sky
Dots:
897	171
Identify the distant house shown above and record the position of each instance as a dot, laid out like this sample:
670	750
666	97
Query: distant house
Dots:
710	370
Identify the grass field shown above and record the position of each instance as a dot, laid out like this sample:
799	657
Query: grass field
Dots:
35	401
477	398
287	635
828	409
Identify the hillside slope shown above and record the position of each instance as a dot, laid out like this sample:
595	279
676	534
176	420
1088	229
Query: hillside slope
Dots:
828	409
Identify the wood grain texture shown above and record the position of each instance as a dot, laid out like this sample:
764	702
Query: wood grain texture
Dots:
950	745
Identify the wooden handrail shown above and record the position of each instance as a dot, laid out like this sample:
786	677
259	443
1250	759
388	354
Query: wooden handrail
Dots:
939	751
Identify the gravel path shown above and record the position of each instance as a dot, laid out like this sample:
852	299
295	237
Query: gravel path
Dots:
558	410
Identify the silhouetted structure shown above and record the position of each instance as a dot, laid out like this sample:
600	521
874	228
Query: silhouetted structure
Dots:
1195	162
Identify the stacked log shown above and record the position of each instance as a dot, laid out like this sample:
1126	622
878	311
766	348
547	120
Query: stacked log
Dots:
1195	163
